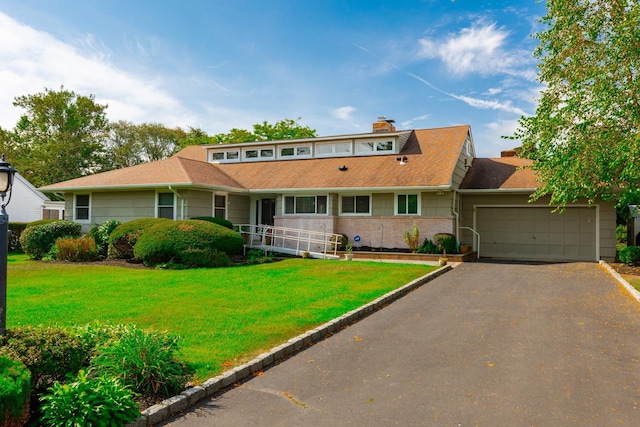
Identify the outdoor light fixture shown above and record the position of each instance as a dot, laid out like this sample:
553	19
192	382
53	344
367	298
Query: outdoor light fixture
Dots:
403	160
6	184
343	168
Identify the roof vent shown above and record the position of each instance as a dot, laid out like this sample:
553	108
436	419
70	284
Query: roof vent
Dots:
384	125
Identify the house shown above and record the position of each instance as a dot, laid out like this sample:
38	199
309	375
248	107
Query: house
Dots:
28	204
373	185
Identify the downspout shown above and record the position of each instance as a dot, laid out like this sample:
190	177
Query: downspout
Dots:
181	201
456	214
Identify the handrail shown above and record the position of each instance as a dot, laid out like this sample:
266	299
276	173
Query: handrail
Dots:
478	235
289	240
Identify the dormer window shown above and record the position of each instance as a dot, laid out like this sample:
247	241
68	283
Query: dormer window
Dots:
252	154
295	152
228	155
374	147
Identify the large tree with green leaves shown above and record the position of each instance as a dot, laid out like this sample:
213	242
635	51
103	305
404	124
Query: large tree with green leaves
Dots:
283	129
585	135
58	137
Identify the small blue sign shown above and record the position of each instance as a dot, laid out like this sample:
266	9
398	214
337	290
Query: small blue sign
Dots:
356	238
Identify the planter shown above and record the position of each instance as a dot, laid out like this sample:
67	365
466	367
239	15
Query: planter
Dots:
464	249
442	261
348	257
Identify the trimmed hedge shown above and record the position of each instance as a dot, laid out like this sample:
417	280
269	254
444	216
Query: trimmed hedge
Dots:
15	388
38	240
15	231
188	242
42	222
124	237
100	234
220	221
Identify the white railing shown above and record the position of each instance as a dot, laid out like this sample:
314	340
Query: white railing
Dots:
294	241
478	237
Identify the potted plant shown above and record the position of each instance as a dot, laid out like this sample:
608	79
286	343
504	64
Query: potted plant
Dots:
443	258
305	254
465	248
348	252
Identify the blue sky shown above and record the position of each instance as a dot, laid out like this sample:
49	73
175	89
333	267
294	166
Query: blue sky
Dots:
338	65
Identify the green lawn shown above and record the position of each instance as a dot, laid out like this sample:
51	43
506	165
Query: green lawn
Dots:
633	281
224	316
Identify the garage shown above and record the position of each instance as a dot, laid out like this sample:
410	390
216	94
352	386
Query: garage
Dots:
536	233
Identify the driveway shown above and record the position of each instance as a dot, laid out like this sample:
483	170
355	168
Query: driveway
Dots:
487	344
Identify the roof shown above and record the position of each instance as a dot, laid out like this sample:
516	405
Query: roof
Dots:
503	173
431	159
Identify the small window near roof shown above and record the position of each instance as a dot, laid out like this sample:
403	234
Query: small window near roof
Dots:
82	207
165	205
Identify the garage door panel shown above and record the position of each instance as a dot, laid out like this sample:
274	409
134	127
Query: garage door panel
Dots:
537	233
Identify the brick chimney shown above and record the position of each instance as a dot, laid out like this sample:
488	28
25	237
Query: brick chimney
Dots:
384	125
508	153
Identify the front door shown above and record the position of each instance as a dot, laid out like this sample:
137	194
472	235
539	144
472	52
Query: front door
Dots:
267	211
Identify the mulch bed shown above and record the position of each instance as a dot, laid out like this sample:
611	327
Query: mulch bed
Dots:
628	270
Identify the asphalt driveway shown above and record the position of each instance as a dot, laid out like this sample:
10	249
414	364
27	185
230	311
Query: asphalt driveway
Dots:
487	344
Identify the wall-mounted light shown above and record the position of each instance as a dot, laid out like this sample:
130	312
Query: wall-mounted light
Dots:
343	168
440	193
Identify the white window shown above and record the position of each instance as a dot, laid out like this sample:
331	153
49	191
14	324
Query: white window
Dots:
375	147
295	152
228	155
333	149
257	153
166	205
82	208
305	205
220	206
355	205
407	204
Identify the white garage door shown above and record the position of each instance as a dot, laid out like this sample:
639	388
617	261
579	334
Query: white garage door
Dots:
536	233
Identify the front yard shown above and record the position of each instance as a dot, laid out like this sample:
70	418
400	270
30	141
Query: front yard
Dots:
225	316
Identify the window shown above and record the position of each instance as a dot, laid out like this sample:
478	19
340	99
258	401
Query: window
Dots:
299	151
375	147
220	206
257	153
231	155
355	205
267	152
335	149
82	210
407	204
305	205
165	205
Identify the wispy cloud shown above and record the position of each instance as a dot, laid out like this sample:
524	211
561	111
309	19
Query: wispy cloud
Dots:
33	60
480	48
408	124
344	113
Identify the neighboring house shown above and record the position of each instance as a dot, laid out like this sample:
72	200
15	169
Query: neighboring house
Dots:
28	204
375	185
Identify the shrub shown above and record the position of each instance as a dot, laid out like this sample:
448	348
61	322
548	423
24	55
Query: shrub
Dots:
446	242
76	250
144	361
15	230
49	353
15	387
630	255
124	237
411	237
174	241
257	256
38	240
88	401
220	221
428	247
100	233
621	234
41	222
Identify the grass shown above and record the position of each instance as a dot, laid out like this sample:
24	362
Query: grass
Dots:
224	316
633	281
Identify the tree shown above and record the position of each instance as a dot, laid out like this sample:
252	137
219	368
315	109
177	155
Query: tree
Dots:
283	129
59	137
585	135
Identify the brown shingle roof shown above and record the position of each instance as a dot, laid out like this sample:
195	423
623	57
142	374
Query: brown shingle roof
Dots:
431	159
504	173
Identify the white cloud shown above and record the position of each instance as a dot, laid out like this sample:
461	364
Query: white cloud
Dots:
488	138
34	60
344	113
480	48
408	124
492	91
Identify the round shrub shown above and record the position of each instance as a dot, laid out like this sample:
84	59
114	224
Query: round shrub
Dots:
181	241
100	234
446	242
15	231
630	255
50	353
124	237
41	222
38	240
15	387
220	221
89	402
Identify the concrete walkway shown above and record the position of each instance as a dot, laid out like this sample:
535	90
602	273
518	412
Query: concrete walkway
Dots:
486	344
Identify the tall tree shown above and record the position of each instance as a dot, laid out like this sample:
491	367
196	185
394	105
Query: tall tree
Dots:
58	137
585	135
282	129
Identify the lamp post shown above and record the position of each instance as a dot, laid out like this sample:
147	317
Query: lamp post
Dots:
6	183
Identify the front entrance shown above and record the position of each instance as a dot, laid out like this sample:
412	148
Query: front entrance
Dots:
266	211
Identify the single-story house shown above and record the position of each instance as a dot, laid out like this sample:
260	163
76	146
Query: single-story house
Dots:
28	204
374	185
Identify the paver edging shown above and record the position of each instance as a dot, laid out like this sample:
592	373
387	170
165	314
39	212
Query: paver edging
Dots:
633	291
173	405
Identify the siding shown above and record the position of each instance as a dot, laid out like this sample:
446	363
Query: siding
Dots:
434	205
197	203
238	209
382	204
123	206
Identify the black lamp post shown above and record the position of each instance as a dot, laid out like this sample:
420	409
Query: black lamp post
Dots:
6	183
